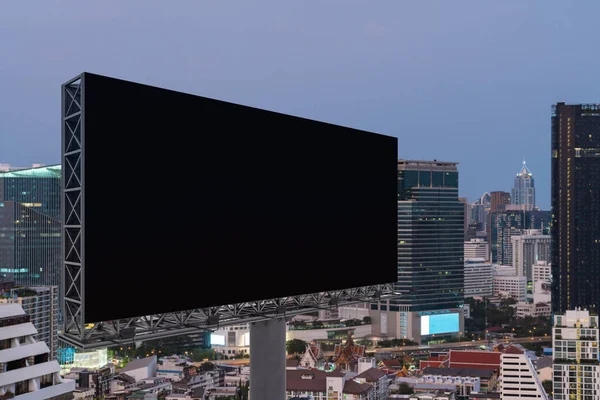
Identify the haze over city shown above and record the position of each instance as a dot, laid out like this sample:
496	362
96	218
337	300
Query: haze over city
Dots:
471	83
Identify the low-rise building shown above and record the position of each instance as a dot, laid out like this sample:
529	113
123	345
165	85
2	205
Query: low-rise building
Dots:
320	385
174	367
524	309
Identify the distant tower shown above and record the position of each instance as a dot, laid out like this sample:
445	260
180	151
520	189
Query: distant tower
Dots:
523	192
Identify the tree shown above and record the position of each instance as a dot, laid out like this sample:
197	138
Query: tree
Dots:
405	388
367	320
295	346
207	366
547	384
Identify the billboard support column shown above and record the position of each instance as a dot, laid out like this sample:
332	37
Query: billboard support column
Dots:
267	361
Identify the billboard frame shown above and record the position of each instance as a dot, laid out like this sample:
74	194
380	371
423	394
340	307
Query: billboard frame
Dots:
109	333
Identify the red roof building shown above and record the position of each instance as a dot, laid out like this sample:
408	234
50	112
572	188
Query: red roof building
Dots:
345	356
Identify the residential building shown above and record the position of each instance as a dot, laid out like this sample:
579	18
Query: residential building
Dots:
174	368
320	385
519	376
100	379
575	197
41	304
26	370
368	373
430	256
477	248
478	278
140	368
529	248
523	192
576	340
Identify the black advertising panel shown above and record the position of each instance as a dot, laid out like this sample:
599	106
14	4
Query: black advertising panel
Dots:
190	202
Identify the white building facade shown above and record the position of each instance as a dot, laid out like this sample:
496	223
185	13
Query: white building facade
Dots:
26	369
528	249
507	283
477	248
478	278
519	377
575	357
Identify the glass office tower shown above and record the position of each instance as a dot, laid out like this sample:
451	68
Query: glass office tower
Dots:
430	256
30	226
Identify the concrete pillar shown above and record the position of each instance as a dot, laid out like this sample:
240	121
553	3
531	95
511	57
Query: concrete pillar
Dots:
267	361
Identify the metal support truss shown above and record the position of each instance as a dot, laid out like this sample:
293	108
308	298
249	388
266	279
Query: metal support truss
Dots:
110	333
72	207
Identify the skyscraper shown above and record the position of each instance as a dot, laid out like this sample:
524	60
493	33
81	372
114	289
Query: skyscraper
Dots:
430	254
506	224
498	201
575	207
523	192
30	215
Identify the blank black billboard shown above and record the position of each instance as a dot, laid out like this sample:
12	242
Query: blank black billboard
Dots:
191	202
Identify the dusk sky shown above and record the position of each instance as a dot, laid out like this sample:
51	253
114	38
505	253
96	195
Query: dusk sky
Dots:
465	81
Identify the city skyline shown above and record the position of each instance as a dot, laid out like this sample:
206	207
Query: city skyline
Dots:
405	70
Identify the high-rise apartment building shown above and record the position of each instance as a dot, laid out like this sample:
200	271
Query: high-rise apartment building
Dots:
523	192
479	210
41	305
575	339
26	370
528	248
575	207
430	254
30	215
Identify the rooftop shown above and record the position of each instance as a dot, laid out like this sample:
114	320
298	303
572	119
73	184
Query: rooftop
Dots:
463	372
50	171
138	363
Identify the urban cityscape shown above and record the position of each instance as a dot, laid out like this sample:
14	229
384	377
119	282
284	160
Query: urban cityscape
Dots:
496	296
